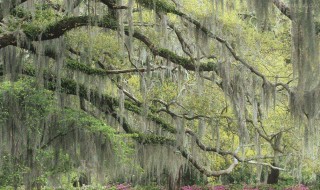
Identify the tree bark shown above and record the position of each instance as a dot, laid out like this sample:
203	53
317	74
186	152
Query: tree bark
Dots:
273	177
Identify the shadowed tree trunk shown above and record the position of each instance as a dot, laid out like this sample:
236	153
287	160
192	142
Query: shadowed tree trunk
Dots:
273	177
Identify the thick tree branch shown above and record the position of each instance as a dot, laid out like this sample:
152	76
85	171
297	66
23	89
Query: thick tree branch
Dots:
184	45
207	172
170	8
171	56
35	33
58	29
74	65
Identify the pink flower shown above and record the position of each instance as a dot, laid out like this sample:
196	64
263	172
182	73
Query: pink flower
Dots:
194	187
123	187
298	187
219	187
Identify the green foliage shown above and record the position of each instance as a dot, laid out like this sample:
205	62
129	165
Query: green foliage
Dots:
34	103
11	173
21	13
205	94
147	187
242	174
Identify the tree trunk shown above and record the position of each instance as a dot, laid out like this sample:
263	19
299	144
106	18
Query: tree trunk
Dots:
273	177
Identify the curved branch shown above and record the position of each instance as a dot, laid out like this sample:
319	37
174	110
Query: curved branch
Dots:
74	65
211	149
184	45
56	30
171	56
266	164
169	8
35	33
207	172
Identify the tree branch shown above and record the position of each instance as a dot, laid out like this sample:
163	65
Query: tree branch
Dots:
283	8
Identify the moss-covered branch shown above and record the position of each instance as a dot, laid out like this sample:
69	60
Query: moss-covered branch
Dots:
76	66
59	28
173	10
171	56
55	30
158	5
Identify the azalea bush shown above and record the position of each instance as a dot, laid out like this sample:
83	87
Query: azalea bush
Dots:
119	187
194	187
246	187
298	187
219	187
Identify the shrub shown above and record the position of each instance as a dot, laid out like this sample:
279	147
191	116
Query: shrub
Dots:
194	187
298	187
219	187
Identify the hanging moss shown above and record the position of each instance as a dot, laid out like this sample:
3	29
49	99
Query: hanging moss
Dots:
70	87
262	10
303	101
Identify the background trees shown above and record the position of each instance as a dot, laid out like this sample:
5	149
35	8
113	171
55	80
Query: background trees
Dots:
145	91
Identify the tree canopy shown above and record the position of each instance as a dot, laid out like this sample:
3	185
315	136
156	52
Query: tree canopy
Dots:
149	91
